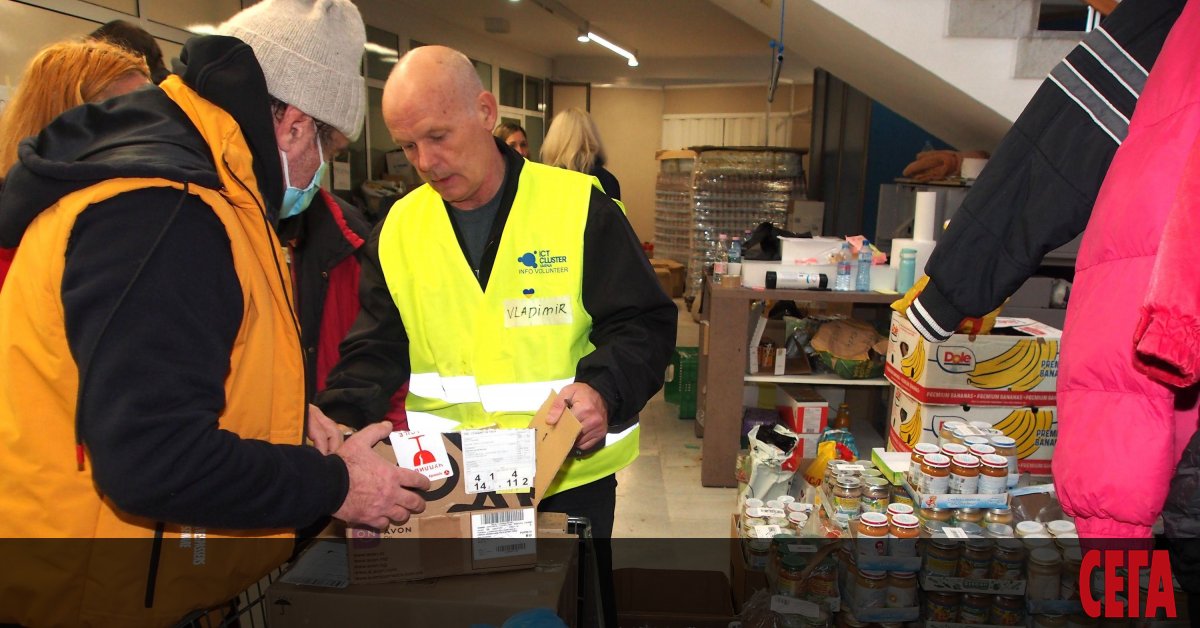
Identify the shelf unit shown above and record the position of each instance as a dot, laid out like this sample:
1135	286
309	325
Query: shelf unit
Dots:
723	342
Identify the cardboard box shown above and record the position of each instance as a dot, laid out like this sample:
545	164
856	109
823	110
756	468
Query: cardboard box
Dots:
1034	428
672	598
299	599
802	408
744	581
892	464
676	276
470	524
993	369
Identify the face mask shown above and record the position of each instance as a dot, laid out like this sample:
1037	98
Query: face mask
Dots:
296	200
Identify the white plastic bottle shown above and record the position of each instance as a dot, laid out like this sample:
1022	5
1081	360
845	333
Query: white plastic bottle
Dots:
721	262
844	269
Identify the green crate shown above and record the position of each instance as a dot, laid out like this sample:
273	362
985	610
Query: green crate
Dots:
680	388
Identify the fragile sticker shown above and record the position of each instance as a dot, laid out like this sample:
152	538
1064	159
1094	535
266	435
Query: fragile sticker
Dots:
499	460
503	533
422	452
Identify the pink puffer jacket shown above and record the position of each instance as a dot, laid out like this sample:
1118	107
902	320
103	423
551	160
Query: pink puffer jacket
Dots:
1121	432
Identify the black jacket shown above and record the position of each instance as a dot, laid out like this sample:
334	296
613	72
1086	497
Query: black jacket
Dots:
608	181
155	386
320	239
1037	191
634	322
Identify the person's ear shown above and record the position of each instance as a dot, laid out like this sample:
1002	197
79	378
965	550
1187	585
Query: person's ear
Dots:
489	110
291	128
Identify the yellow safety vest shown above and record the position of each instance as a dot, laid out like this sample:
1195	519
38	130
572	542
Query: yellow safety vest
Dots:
483	358
97	572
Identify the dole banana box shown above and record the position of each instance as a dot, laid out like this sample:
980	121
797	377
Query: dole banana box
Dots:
1035	428
1015	365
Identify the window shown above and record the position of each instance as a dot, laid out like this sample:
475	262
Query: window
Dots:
484	70
535	99
383	50
512	89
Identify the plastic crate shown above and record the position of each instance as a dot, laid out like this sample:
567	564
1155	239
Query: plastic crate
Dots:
680	388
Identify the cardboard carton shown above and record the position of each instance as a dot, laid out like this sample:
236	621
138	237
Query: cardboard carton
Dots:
1034	428
672	275
744	581
480	509
802	408
672	598
993	369
316	592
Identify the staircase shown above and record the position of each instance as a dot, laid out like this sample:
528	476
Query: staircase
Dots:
962	69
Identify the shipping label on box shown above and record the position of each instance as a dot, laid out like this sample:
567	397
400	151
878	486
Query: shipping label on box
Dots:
992	369
802	409
480	509
1035	428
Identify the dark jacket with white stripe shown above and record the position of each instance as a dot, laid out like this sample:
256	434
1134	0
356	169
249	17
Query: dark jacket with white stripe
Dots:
1037	191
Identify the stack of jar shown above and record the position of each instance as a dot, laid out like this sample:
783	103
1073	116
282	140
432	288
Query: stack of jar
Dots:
977	439
975	608
859	487
790	558
761	521
960	469
996	523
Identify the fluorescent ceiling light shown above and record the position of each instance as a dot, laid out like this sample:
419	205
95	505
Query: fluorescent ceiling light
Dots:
629	56
583	37
380	50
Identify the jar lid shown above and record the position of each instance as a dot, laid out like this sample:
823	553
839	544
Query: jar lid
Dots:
979	544
994	461
984	449
953	449
1038	541
875	482
926	448
1044	556
1003	441
966	461
775	504
899	509
1010	544
980	425
969	511
848	481
903	575
752	502
754	513
785	499
874	519
937	461
797	518
1060	526
866	464
972	529
952	425
796	560
872	575
905	521
1026	528
933	527
998	531
1000	511
975	441
798	507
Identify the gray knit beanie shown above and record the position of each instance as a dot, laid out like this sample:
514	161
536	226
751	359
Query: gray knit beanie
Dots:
311	53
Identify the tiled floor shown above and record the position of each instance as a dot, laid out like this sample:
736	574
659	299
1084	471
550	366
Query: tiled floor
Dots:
659	496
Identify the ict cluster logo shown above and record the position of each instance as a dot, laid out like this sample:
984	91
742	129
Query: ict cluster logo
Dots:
542	262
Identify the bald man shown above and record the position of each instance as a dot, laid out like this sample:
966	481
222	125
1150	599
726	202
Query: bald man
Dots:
495	284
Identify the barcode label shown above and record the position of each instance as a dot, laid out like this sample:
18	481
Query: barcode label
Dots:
955	533
503	516
847	468
503	533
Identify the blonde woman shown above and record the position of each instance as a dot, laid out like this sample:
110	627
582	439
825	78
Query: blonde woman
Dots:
514	135
60	77
573	143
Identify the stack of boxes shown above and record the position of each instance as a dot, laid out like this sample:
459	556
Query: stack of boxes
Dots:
1005	379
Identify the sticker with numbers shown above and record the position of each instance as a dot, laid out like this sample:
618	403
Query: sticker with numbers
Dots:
766	531
498	460
955	533
503	533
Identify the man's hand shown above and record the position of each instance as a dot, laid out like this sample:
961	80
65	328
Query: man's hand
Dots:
324	433
588	406
378	493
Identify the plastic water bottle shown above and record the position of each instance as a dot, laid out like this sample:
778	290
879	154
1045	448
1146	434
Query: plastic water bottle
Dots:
721	261
842	281
907	274
735	250
862	282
